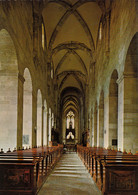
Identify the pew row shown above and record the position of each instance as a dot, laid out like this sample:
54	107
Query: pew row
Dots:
24	171
114	172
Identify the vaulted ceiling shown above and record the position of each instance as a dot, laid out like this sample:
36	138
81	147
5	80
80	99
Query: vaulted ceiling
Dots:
71	28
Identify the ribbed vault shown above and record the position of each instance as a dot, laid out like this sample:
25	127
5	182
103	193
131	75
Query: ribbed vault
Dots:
71	29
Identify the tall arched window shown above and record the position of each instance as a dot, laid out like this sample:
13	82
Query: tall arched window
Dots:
70	120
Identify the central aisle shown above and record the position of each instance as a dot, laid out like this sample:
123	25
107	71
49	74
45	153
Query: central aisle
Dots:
70	177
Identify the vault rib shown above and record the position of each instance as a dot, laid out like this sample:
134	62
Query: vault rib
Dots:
71	10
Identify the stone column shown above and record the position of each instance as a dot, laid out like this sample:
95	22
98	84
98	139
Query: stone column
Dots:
101	125
128	113
95	126
34	119
20	111
42	128
106	121
131	112
81	127
79	132
50	122
120	82
92	129
47	126
98	133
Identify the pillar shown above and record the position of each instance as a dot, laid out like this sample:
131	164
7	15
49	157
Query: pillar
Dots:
92	129
42	128
101	125
34	119
20	111
98	133
106	121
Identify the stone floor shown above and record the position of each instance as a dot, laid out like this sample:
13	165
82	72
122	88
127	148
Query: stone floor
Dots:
70	177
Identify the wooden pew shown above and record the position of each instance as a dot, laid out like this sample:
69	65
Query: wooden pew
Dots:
35	164
118	160
17	176
104	166
120	177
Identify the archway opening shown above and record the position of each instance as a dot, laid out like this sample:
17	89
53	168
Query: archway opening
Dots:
39	118
113	110
8	92
27	110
